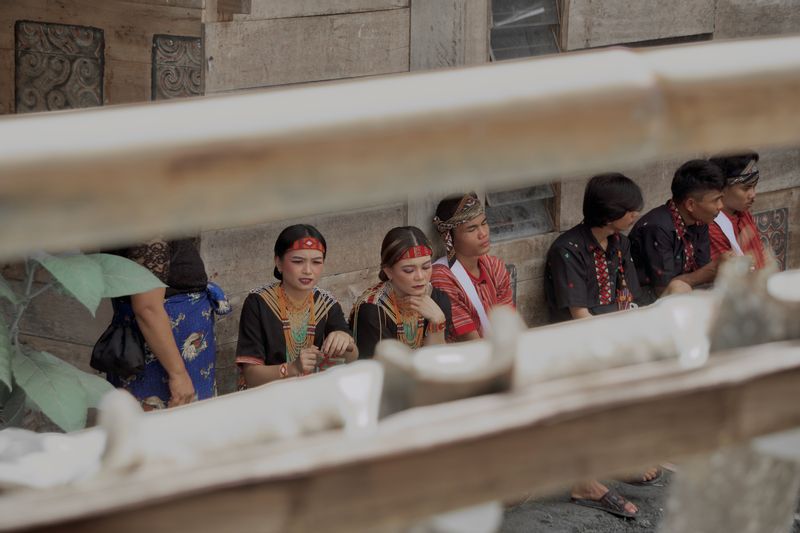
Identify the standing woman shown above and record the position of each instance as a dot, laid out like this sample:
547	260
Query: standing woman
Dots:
177	323
403	305
292	327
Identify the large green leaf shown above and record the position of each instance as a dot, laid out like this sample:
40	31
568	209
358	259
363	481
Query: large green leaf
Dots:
5	357
94	387
122	277
79	275
57	393
6	292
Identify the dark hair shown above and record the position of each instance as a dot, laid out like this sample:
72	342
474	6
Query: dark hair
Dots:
396	242
608	197
291	234
733	165
696	177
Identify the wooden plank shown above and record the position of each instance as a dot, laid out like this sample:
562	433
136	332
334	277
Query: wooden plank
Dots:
274	9
6	81
276	52
376	141
593	24
127	82
449	33
128	27
234	6
193	4
422	461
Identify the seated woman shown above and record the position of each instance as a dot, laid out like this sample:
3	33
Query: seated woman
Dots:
403	305
292	327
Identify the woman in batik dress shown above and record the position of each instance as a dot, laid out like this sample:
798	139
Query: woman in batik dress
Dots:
292	327
177	323
403	305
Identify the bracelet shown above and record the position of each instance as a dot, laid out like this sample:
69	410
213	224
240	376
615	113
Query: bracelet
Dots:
284	370
436	328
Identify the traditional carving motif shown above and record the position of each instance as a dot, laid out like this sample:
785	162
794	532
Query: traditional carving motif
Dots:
57	66
773	227
177	67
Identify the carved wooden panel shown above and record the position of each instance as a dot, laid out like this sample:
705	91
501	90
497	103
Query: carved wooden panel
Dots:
773	227
177	67
57	66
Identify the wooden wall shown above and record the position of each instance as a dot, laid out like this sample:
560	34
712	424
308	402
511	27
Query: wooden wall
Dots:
128	28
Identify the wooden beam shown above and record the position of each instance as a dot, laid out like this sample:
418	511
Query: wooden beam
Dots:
234	7
438	458
121	174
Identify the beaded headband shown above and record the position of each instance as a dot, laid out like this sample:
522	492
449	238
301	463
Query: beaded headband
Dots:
416	251
468	208
307	243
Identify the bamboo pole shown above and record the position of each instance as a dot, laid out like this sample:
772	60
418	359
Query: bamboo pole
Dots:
96	177
438	458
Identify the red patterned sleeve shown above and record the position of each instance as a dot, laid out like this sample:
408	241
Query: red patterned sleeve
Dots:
461	309
719	242
505	295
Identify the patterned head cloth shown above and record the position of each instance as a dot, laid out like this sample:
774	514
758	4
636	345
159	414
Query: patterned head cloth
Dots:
468	208
749	175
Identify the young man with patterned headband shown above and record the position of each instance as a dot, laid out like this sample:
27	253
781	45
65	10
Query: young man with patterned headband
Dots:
734	229
473	280
670	244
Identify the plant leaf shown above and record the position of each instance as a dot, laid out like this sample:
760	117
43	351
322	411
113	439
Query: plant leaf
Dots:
79	275
5	356
56	393
94	387
6	292
122	276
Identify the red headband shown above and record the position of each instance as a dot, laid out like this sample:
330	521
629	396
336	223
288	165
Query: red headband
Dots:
416	251
307	243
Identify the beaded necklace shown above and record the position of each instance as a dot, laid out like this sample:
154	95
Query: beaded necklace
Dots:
410	324
299	324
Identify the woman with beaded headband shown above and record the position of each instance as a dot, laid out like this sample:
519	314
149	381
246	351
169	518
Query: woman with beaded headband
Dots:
292	327
403	305
473	280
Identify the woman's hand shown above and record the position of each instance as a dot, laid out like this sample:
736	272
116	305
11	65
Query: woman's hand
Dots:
181	390
337	343
425	306
307	361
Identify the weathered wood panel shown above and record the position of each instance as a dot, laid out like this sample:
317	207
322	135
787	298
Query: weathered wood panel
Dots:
127	82
736	19
276	52
592	24
449	33
274	9
128	27
422	461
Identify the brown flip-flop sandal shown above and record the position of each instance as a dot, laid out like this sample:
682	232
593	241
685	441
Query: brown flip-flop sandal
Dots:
611	502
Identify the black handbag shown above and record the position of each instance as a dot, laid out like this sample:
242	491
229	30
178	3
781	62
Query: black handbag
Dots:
119	350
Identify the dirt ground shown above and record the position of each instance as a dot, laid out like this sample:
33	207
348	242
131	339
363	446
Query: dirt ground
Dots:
558	515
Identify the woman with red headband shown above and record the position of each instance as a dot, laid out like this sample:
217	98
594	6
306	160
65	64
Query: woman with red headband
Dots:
292	327
403	305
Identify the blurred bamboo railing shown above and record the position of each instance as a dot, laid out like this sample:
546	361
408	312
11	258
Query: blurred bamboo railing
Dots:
439	458
97	177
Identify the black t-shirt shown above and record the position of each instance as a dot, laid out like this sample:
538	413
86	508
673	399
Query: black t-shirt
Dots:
371	320
261	332
570	278
176	263
658	251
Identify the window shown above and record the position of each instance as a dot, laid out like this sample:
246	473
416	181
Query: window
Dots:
524	28
520	212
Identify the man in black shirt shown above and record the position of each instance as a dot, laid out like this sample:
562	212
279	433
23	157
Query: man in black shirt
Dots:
670	244
589	271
